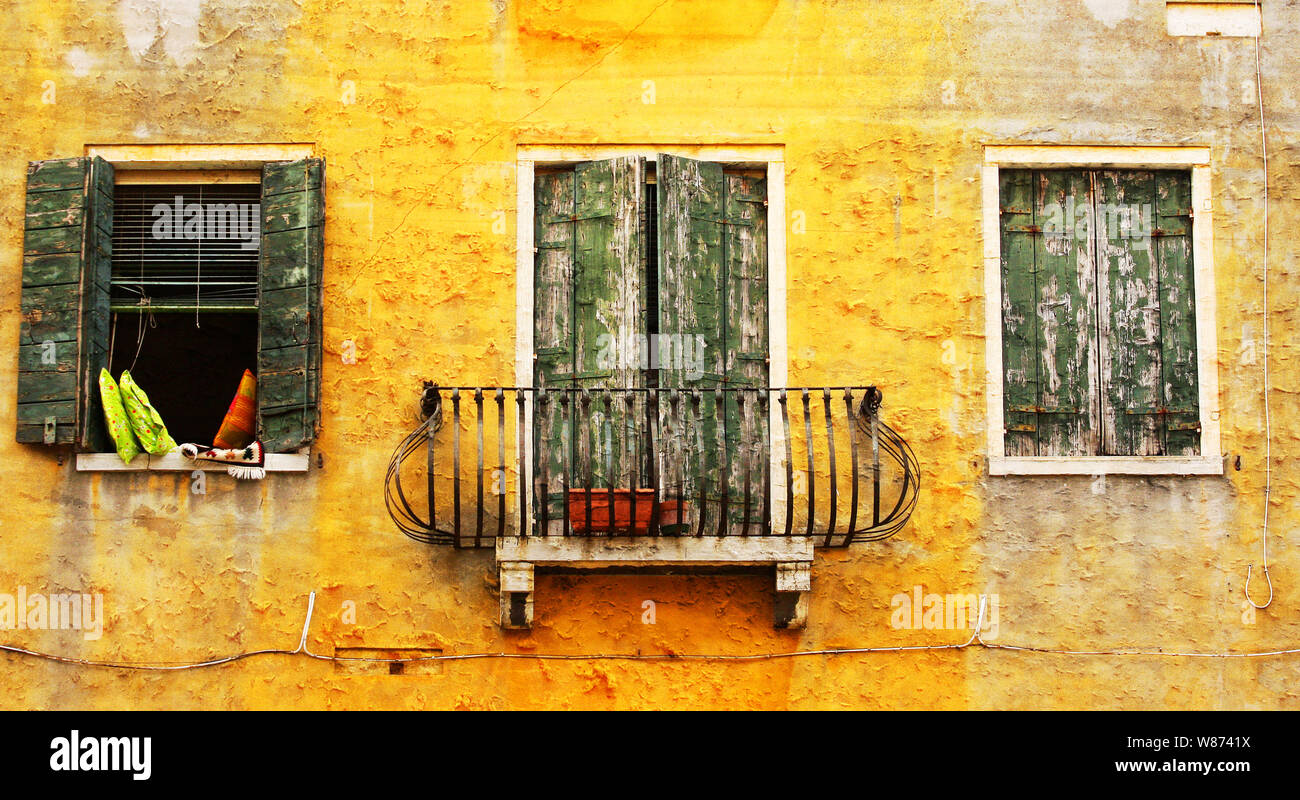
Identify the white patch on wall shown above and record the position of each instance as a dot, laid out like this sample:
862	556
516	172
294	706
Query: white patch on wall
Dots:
80	62
1110	12
1212	19
175	23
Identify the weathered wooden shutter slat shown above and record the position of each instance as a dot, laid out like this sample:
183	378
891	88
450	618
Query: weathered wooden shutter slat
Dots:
290	331
1132	335
1066	311
713	316
553	364
745	364
589	312
1173	251
1019	313
609	309
63	338
692	290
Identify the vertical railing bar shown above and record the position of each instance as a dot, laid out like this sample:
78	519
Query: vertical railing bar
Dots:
455	478
764	400
478	512
521	413
630	434
678	405
812	476
830	451
501	457
609	460
853	451
875	470
746	451
652	414
430	464
697	401
789	464
543	495
566	445
585	400
724	462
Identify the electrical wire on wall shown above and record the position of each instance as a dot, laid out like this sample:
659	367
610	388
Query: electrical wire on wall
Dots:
976	639
1268	420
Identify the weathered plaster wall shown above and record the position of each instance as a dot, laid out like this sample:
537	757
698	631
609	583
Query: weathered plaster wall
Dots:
882	108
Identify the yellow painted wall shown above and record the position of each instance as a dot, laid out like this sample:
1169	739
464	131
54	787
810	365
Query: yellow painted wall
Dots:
883	108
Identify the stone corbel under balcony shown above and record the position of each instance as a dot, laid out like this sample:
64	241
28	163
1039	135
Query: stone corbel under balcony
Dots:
519	557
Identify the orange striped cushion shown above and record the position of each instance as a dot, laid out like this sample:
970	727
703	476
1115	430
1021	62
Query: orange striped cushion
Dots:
239	428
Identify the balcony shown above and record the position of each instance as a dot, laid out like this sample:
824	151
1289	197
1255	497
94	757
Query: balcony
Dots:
652	479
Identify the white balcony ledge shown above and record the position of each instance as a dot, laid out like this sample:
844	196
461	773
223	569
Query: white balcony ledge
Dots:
517	558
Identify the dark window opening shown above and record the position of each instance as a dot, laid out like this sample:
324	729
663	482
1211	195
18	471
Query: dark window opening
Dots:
190	373
184	297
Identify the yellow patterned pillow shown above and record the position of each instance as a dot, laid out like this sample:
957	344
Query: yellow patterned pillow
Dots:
145	420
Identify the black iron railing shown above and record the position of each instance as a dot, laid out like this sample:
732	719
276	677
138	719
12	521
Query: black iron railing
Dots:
734	461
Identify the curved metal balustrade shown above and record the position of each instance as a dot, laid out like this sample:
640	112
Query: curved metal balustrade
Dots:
795	461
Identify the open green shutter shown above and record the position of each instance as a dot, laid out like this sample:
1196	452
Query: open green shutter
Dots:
63	340
589	317
712	326
1049	355
289	303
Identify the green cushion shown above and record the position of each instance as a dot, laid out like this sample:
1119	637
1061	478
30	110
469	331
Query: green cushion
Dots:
145	421
115	418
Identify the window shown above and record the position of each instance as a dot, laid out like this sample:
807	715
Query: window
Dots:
78	294
184	294
617	307
651	270
1104	345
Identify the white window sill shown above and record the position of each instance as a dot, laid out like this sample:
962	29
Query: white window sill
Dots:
1106	465
175	462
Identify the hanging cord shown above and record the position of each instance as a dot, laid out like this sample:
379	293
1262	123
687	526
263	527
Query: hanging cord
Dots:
198	268
1268	421
141	327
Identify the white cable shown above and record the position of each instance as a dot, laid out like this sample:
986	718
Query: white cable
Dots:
975	638
1268	421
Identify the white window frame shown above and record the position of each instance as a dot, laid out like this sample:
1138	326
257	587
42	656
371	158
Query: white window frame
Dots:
1194	158
769	157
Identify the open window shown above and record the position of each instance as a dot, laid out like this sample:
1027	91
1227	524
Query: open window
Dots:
190	281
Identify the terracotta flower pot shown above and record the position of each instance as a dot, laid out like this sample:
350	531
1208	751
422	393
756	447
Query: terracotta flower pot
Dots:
623	523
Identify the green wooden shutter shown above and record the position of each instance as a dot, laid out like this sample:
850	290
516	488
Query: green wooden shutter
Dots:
1049	314
589	317
289	303
745	352
1019	313
1172	240
63	340
1149	336
712	290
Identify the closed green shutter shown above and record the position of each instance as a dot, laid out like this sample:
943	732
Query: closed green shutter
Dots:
63	340
290	329
1098	313
1049	313
589	312
1149	339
